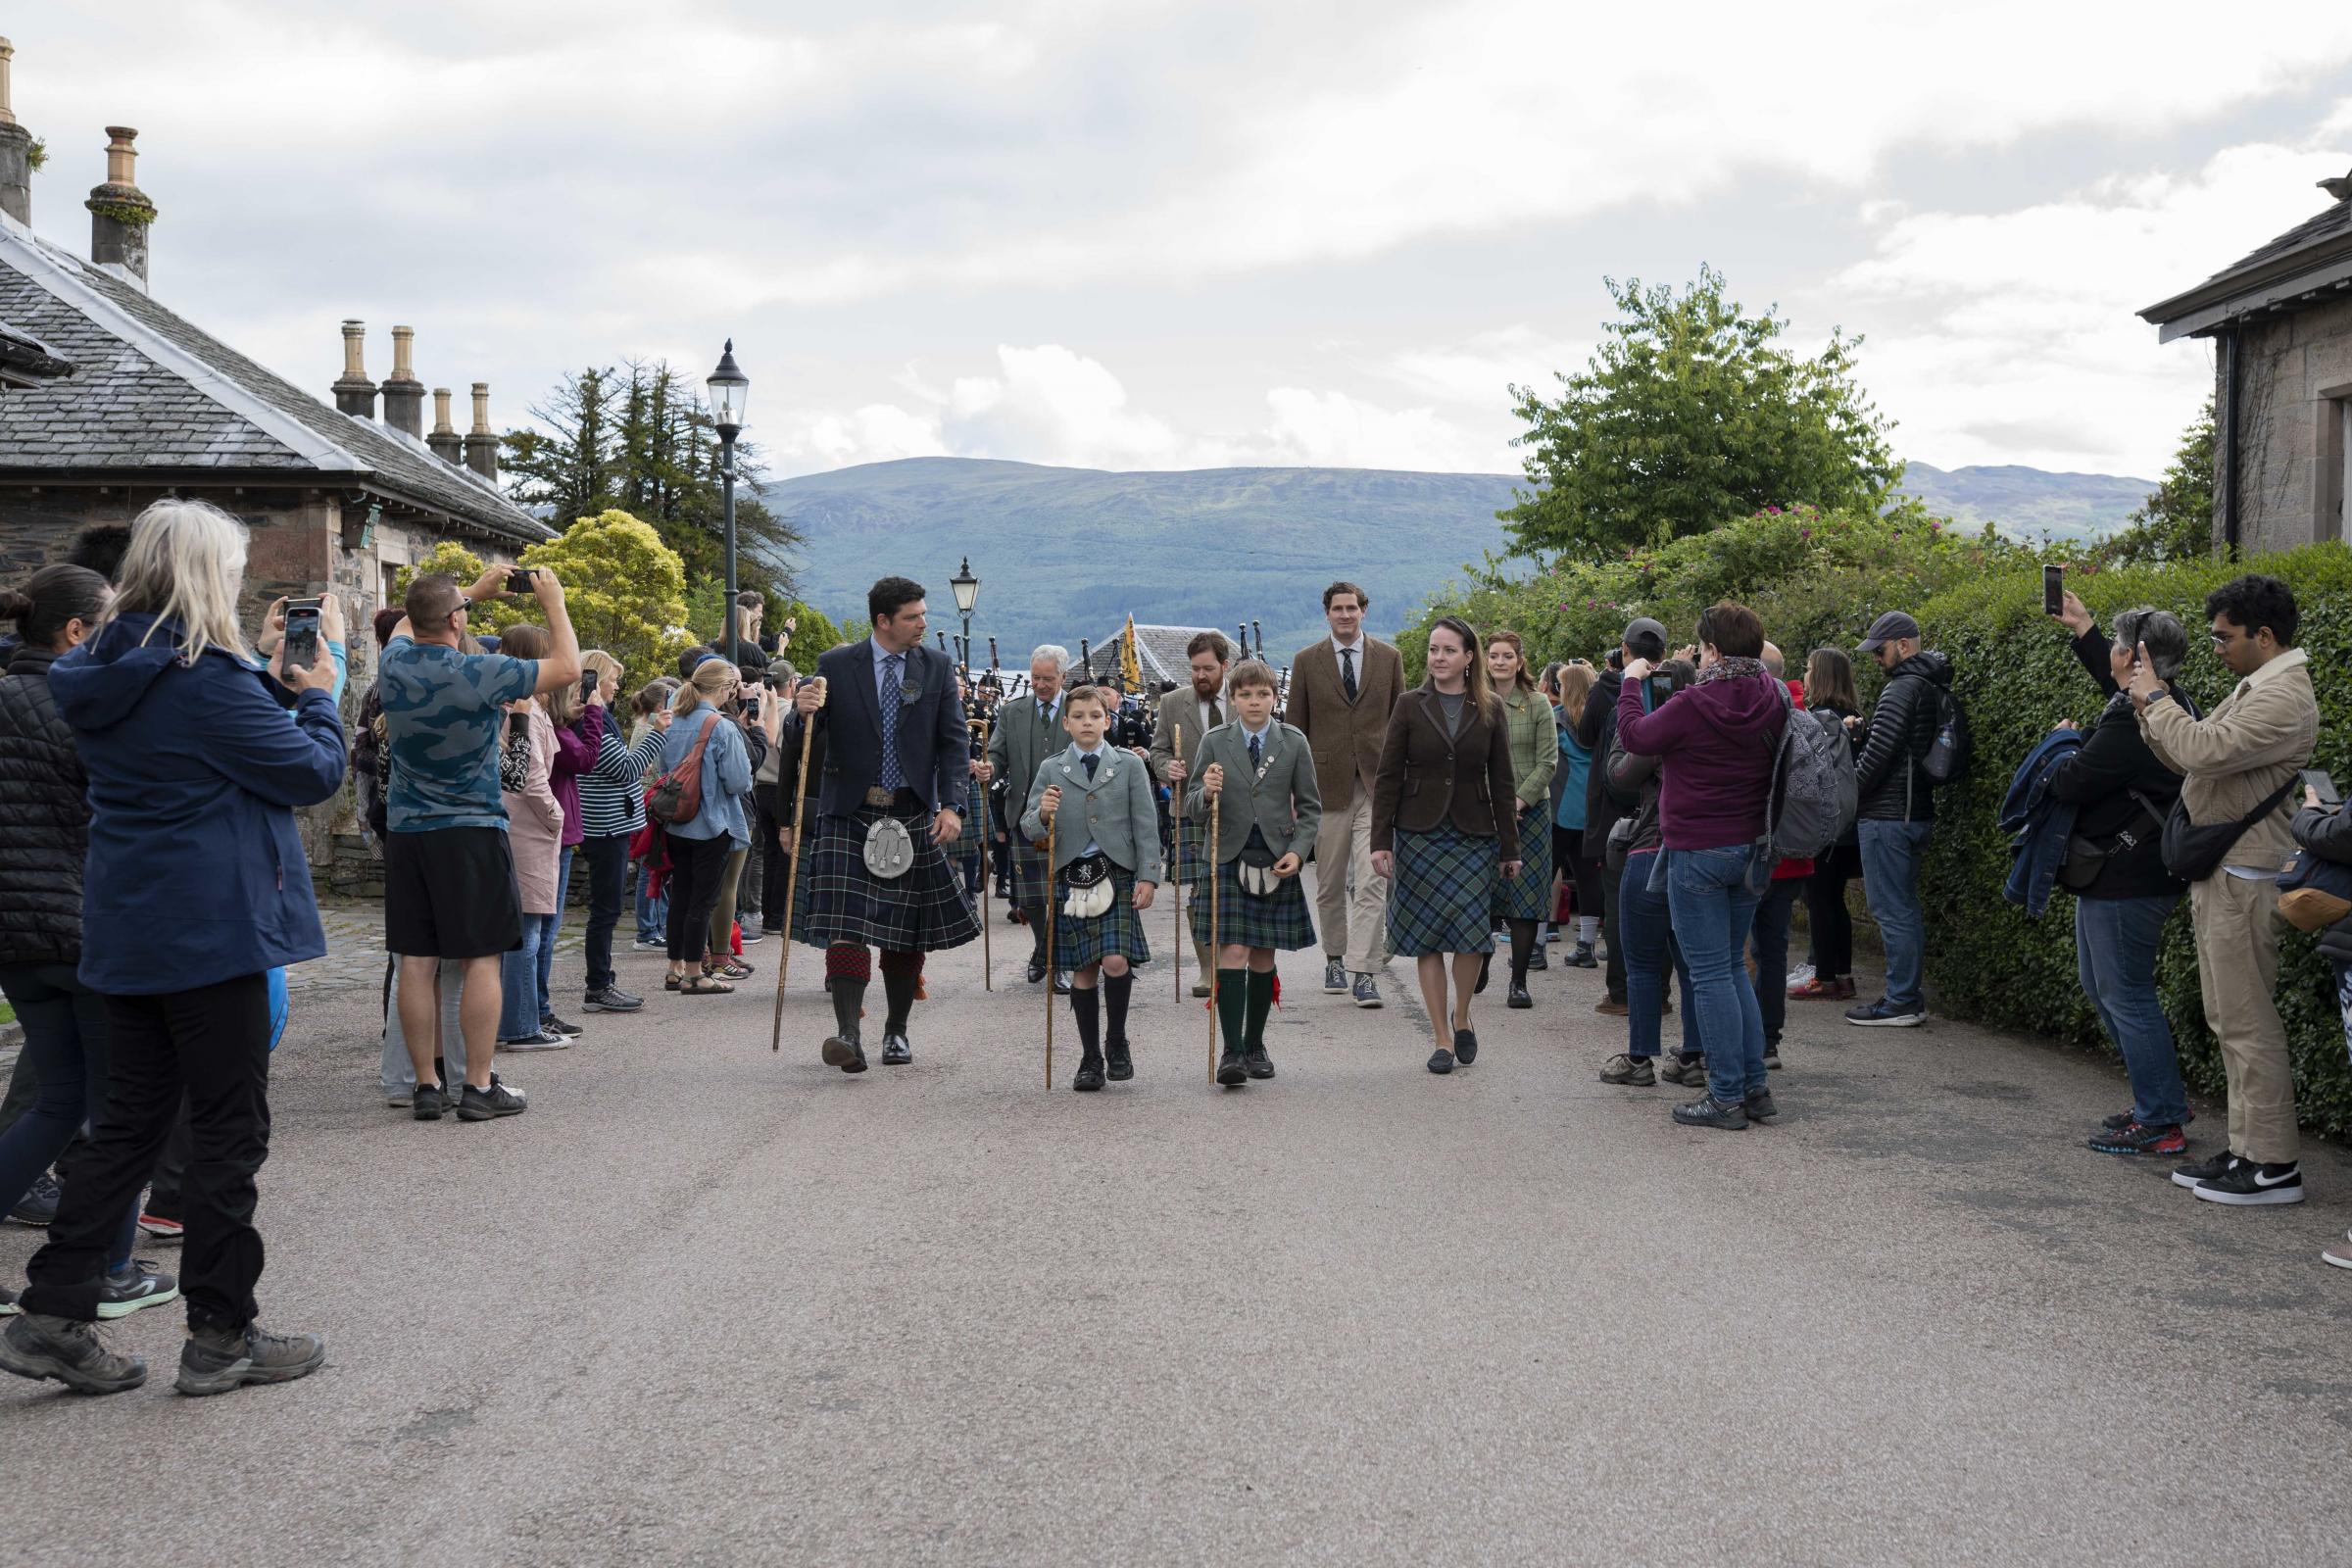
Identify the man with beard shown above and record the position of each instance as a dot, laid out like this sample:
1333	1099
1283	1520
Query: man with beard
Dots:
1197	709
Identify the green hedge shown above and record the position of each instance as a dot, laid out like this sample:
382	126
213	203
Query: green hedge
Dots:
2014	671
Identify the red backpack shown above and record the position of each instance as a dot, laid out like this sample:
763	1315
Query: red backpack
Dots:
677	795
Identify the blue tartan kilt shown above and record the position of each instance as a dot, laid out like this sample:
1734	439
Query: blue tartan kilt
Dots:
1528	896
1441	896
1192	858
1027	865
1280	920
840	900
1117	930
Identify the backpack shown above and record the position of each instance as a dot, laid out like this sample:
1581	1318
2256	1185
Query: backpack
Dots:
677	795
1813	785
1953	749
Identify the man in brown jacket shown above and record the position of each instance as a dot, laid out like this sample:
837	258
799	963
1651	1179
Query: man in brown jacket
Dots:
1341	690
2239	767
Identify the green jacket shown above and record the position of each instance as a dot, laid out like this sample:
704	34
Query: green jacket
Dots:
1535	743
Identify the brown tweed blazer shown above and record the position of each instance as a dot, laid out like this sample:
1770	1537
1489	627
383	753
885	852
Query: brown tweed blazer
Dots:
1344	737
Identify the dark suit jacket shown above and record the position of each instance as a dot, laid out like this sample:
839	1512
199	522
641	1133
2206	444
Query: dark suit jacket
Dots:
1344	737
1426	778
934	746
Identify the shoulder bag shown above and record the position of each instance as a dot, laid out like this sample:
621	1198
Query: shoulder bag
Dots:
2193	854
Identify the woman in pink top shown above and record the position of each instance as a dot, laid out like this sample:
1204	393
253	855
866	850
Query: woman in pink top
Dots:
535	825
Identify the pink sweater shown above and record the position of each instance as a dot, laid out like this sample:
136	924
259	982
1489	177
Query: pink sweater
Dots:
535	822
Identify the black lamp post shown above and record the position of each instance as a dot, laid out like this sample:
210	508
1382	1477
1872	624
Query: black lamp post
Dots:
730	390
967	588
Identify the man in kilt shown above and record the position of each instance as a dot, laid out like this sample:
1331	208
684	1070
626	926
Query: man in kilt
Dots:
1028	730
1099	801
897	763
1193	710
1263	776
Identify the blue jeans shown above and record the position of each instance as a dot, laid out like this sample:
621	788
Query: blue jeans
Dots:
519	1011
1714	909
1893	853
652	914
1772	954
2114	952
1650	945
555	923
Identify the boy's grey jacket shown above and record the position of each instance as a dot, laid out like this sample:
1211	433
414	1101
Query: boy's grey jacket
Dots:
1117	809
1250	800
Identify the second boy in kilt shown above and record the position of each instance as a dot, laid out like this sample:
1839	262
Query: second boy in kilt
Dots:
1263	776
1104	818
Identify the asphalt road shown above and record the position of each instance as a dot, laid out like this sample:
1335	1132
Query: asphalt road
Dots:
705	1305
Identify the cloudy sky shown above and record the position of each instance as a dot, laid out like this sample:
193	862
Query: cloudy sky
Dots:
1176	233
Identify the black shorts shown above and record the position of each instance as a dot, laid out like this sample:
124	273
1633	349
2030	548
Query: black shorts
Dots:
450	893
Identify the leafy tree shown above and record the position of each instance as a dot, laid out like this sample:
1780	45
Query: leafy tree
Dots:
812	632
622	588
2176	524
1691	411
448	555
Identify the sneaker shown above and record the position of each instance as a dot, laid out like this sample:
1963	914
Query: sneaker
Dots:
2125	1118
215	1361
428	1103
1539	959
1335	975
1584	957
1761	1106
2340	1253
1799	975
1441	1060
610	1000
38	1206
163	1227
481	1105
2205	1170
136	1283
2247	1183
753	936
1885	1014
1708	1111
1691	1074
38	1346
1636	1072
541	1040
1367	994
1817	988
1612	1006
2137	1138
549	1024
8	1302
400	1099
649	944
1772	1056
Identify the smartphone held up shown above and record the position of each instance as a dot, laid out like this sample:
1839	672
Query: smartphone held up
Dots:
302	634
2053	589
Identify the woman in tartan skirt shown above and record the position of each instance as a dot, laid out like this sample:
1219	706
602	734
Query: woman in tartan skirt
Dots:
1443	830
1263	776
1098	800
1520	902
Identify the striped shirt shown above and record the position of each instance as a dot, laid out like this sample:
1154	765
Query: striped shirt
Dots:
613	792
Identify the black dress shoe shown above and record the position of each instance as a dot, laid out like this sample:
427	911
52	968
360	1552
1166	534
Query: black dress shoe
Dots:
1260	1064
1122	1061
840	1050
1232	1070
1465	1047
1061	982
857	1061
1090	1074
895	1052
1037	970
1520	998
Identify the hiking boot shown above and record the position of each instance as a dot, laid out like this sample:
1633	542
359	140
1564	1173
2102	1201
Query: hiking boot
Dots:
2205	1170
1635	1072
2247	1183
1335	975
1260	1064
1233	1069
1760	1105
38	1206
2137	1138
1708	1111
217	1360
1689	1074
136	1283
36	1345
1584	957
1540	959
428	1103
481	1105
612	998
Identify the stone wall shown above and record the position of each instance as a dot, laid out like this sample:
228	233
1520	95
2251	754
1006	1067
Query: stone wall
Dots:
2295	371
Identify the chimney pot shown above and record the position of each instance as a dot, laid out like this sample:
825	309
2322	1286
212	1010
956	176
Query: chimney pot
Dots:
16	152
444	440
404	394
120	212
404	352
8	52
441	422
482	442
355	394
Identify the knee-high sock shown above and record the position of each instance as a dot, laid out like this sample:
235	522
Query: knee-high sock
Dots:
1260	1002
1086	1007
1115	994
901	971
1232	1005
848	969
1523	947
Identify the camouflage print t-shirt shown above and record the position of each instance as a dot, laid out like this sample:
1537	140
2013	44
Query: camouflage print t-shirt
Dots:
442	710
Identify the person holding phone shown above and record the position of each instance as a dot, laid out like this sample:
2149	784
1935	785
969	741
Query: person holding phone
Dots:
535	825
612	810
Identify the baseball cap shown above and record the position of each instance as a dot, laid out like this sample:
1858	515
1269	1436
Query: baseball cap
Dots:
1646	638
1893	627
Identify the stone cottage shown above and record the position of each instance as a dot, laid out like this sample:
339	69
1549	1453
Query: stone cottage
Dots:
2281	321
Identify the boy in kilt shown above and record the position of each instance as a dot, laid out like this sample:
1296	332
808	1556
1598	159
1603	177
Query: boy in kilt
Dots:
1266	826
897	765
1106	868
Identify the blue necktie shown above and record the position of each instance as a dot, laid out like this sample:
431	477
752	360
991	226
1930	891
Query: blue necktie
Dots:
1255	758
894	777
1092	762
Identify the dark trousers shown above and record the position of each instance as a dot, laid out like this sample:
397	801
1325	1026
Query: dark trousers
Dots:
1612	900
211	1044
21	1088
607	858
697	869
1770	942
66	1062
1826	911
775	865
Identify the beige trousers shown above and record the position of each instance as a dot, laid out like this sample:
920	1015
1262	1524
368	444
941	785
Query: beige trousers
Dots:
1351	903
2237	924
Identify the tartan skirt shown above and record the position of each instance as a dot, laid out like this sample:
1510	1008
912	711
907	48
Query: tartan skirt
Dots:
1280	920
1117	930
1441	896
840	900
1528	896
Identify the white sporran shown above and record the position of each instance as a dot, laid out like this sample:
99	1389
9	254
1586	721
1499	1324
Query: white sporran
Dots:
888	849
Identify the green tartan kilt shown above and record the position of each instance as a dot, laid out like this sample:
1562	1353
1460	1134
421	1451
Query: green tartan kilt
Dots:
1528	896
1117	930
1442	898
840	900
1191	857
1280	921
1027	865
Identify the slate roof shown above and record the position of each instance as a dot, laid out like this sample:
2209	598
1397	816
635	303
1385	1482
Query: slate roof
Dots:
2310	264
151	393
1159	649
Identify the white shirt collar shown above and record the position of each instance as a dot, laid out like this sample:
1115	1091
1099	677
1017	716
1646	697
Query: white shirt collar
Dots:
1259	733
1357	645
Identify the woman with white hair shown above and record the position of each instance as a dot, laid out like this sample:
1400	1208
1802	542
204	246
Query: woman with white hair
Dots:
195	769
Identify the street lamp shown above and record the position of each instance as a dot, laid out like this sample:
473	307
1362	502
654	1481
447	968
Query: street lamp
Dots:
967	593
730	391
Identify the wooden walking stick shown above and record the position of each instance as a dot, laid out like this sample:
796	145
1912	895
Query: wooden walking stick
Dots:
1051	894
988	972
1176	954
1215	956
792	874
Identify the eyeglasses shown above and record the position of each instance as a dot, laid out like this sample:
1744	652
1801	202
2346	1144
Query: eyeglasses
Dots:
2221	640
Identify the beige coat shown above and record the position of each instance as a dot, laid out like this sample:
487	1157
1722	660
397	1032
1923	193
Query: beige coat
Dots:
535	822
1182	706
2257	739
1344	737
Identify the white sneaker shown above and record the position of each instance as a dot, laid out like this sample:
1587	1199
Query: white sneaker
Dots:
1799	975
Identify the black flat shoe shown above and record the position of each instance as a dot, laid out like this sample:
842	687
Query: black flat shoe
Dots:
1121	1061
1037	971
1089	1075
1232	1071
1441	1060
1465	1046
895	1052
1520	998
1260	1064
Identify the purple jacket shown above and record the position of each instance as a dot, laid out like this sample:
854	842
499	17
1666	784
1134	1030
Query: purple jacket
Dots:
576	754
1718	740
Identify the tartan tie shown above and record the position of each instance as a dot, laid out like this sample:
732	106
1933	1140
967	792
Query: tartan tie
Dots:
1347	672
1256	760
893	776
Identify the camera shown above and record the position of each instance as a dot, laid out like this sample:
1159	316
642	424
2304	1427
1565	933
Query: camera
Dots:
519	579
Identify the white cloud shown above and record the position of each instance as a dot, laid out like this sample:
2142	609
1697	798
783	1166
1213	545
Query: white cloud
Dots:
1331	429
1049	405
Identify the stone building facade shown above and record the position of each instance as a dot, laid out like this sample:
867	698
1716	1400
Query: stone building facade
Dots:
2280	319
